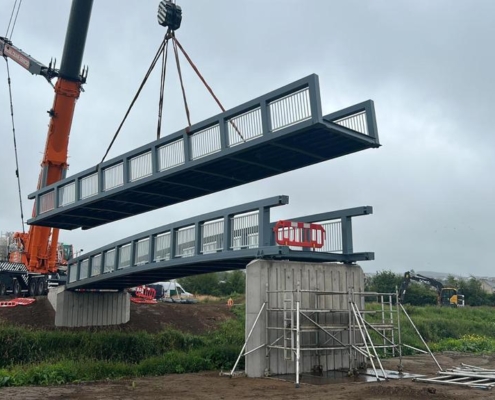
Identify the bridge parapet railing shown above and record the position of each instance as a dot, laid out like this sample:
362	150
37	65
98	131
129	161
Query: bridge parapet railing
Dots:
360	118
246	226
205	234
293	104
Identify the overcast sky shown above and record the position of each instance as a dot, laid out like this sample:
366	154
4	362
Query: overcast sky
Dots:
428	65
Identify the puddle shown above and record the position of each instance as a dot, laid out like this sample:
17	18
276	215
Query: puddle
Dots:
336	377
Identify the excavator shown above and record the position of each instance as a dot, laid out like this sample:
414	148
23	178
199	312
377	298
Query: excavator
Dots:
34	256
446	296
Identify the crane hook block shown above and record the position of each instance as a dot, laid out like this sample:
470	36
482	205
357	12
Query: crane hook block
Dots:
169	14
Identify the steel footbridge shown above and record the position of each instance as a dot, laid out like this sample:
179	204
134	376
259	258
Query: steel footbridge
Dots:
219	241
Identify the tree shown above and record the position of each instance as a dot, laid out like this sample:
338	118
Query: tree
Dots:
385	282
382	282
235	282
201	284
452	281
474	295
216	284
388	282
420	294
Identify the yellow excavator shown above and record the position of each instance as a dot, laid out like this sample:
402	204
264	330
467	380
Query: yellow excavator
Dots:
446	296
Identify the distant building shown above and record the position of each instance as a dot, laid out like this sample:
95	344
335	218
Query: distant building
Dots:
488	285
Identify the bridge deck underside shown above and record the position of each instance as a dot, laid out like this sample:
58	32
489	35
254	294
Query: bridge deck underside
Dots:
310	145
182	267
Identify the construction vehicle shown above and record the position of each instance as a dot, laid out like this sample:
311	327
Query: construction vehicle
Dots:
10	271
446	296
33	261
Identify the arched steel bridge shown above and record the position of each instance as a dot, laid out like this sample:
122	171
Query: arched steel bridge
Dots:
223	240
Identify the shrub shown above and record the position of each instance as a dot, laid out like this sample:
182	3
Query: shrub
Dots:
467	343
30	357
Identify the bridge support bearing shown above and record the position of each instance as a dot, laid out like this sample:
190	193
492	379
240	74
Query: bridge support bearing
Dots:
75	309
283	284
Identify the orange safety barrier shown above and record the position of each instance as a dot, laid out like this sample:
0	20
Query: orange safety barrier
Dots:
301	234
7	304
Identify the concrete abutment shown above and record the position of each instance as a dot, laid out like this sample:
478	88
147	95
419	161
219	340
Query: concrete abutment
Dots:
76	309
280	285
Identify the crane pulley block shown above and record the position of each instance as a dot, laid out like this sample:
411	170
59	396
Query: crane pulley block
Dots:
169	14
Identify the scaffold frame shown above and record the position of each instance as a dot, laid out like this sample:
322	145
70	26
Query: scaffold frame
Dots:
369	334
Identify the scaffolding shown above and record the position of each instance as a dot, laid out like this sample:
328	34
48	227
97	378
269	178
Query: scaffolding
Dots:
313	329
309	327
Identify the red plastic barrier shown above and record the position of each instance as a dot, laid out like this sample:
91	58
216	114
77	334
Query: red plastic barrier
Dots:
21	301
140	300
145	293
301	234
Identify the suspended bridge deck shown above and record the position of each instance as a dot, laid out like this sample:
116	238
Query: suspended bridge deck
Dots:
279	132
219	241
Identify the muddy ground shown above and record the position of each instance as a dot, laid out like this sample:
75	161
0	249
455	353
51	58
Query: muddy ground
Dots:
209	386
192	318
200	318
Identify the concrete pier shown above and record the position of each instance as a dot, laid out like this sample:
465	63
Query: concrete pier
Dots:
76	309
276	283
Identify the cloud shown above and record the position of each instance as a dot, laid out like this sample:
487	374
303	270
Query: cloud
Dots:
427	65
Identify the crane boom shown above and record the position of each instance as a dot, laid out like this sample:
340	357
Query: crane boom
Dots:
8	50
34	247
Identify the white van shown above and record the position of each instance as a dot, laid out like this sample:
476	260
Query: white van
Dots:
171	291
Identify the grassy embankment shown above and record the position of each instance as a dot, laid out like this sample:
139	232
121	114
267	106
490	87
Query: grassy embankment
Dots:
467	329
57	357
34	357
464	329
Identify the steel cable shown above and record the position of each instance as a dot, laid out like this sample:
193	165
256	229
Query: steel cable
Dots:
17	174
162	91
182	84
15	19
193	66
162	51
150	69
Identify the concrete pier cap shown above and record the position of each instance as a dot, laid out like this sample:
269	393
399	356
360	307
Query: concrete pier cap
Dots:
275	283
77	309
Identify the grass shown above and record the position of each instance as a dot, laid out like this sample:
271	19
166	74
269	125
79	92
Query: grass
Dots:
29	357
468	343
34	357
437	323
71	371
445	328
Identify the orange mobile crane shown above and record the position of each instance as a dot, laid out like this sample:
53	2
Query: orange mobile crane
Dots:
33	261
